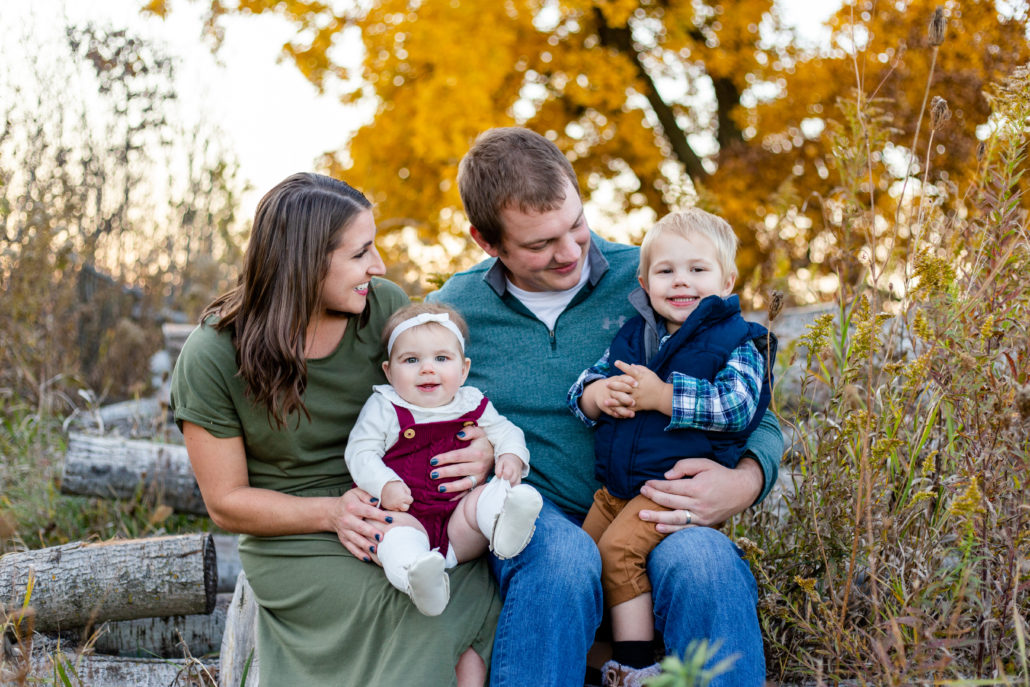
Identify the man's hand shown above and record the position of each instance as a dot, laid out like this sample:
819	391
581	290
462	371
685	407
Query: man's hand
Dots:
475	462
396	496
509	467
648	391
714	493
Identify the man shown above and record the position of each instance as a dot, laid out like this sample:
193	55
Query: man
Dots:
541	310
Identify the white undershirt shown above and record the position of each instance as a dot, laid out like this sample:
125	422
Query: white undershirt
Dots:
548	305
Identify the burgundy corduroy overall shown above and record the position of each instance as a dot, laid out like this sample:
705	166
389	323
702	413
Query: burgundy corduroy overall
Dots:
409	458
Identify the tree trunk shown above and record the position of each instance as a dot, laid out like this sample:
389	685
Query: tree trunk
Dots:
175	336
115	468
79	585
240	639
177	636
229	566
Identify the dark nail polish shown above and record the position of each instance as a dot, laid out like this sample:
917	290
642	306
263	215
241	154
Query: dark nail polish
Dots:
367	559
442	488
372	549
375	500
461	434
434	461
434	475
378	537
389	518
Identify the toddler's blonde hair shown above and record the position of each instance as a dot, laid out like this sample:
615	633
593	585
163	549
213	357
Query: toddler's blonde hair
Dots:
684	223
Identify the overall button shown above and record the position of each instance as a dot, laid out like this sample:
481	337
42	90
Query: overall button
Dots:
409	433
468	423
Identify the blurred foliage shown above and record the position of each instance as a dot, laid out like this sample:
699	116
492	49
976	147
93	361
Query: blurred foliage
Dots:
656	103
113	215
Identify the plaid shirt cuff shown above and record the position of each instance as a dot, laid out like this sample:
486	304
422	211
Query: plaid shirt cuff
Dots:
599	370
726	404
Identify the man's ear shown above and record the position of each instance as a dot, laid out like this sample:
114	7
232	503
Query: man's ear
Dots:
481	242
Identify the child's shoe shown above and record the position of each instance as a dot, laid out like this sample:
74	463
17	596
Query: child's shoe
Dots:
515	524
429	586
414	569
617	675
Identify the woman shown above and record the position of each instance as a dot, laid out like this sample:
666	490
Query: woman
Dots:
266	391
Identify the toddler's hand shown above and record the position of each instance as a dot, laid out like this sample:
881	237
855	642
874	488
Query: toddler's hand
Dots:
396	496
608	396
647	390
619	399
509	467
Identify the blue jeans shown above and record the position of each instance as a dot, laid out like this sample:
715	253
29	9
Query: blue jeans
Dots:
553	603
703	589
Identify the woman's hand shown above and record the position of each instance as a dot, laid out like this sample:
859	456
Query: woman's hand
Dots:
473	462
355	519
714	493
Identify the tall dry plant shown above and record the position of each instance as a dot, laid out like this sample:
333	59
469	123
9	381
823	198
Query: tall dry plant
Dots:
901	552
111	212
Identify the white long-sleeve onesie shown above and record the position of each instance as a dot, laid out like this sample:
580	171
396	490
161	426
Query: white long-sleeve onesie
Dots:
377	427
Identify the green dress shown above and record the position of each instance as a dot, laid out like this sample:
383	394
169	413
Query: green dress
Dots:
327	618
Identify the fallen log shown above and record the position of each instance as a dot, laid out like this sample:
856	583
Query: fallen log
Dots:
80	585
176	636
110	671
135	418
239	654
115	468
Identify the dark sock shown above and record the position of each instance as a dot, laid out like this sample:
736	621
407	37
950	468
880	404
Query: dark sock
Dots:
633	654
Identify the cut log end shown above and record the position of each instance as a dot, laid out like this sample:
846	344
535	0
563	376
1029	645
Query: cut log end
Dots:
210	574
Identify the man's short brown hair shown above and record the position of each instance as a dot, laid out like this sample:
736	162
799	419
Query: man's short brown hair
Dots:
511	167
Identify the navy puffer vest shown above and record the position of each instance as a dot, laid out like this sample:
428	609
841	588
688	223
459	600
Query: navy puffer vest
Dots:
632	451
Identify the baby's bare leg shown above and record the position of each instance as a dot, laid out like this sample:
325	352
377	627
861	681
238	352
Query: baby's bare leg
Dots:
467	541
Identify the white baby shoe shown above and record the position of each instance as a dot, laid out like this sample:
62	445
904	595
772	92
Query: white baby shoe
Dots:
516	522
429	586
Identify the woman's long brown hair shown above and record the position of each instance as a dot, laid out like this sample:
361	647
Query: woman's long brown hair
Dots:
296	227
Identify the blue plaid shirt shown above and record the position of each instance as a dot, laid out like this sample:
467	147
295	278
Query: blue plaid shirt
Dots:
726	404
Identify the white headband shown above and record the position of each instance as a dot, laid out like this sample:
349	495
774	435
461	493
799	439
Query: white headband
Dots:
441	318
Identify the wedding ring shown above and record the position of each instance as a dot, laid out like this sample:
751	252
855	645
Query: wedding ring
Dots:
690	516
474	481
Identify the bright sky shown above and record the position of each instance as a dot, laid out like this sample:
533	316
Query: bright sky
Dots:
276	121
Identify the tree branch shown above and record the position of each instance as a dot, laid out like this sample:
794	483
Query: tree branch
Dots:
726	96
620	39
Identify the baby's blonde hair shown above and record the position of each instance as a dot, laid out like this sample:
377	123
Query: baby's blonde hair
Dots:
684	223
416	309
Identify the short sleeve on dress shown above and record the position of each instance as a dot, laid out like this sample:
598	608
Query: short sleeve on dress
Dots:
204	383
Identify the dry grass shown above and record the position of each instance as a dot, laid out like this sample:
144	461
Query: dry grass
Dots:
904	554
